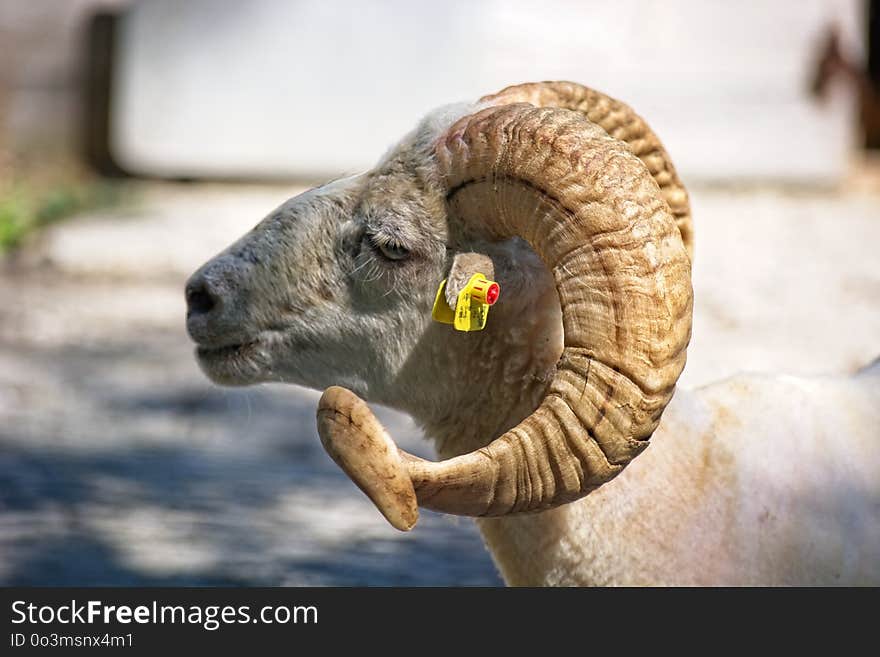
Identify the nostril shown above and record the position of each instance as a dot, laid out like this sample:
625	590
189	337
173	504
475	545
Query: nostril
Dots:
198	299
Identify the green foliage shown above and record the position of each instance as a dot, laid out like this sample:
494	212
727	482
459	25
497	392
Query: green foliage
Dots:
24	209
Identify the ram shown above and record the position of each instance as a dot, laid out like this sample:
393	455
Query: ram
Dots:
568	200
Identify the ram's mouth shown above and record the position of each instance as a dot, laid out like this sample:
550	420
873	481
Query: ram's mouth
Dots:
234	364
226	351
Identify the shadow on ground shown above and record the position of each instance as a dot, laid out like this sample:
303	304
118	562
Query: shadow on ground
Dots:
179	516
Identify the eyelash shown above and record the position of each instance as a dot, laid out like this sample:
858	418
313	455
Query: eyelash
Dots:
389	249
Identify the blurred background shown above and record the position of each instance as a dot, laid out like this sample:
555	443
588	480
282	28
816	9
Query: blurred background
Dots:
140	137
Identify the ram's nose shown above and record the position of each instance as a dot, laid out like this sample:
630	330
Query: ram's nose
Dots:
214	310
201	297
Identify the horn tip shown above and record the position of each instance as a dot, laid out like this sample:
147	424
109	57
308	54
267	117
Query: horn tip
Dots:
359	444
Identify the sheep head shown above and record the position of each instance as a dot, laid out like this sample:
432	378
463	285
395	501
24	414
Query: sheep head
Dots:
335	289
317	292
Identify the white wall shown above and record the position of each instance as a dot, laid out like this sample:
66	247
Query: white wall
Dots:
312	88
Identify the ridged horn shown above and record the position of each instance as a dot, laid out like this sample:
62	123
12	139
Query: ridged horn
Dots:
620	121
593	212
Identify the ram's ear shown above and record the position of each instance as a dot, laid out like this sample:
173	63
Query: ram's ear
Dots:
465	265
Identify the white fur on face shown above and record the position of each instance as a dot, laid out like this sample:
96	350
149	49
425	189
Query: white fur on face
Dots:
311	299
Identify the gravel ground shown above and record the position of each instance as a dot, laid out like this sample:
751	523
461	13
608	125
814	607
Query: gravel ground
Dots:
120	464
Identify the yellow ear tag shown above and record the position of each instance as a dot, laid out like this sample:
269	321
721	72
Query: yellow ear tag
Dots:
471	308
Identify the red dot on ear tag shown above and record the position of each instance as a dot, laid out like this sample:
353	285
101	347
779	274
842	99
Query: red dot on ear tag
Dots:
492	293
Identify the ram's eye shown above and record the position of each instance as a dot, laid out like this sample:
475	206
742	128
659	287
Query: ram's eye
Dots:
389	249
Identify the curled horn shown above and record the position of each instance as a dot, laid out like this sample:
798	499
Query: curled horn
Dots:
600	219
620	121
